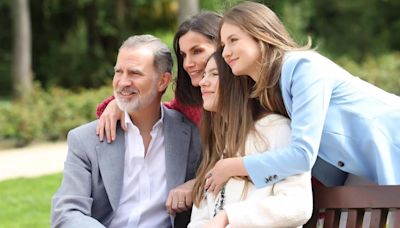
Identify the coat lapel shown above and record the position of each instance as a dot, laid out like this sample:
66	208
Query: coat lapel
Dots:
177	138
111	157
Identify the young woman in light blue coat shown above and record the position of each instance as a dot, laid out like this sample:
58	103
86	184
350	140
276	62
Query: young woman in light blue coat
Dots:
350	125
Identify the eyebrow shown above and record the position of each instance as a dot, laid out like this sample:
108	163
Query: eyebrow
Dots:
213	69
130	70
192	48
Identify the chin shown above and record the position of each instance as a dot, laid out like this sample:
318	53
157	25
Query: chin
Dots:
196	81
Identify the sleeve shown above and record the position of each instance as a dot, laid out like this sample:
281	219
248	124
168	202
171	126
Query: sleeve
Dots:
200	215
310	92
290	205
102	106
71	205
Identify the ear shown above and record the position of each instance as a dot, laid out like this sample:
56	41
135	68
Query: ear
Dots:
164	81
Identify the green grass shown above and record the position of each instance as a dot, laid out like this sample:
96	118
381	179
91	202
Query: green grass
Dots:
26	202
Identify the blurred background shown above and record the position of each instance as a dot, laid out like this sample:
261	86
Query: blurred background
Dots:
57	58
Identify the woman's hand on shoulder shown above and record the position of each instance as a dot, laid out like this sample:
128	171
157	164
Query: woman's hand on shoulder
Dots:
107	124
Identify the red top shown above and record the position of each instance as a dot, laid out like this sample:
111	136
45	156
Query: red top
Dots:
193	113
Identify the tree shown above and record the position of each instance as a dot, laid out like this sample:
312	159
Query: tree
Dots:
21	61
187	8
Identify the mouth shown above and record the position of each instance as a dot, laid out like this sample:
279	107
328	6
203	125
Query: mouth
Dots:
127	92
206	93
231	61
195	73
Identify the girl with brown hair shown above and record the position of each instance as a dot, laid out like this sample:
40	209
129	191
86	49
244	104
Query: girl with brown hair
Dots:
333	123
235	125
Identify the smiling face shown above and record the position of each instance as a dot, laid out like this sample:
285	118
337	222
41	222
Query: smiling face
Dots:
241	51
195	49
209	86
135	79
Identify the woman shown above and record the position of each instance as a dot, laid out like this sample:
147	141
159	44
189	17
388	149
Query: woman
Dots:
346	122
194	42
228	133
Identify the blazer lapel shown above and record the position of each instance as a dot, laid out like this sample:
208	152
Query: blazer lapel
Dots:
111	157
177	138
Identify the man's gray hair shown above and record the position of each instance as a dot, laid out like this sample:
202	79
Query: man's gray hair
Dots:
162	55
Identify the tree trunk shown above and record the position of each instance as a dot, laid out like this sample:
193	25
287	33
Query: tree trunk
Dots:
187	8
22	51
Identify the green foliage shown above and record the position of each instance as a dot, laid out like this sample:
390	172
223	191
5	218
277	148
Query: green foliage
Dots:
382	71
49	115
26	202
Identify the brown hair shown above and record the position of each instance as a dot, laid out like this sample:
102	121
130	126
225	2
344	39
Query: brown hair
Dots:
225	131
264	26
205	23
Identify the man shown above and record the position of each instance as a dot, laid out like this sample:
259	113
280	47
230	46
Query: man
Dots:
125	183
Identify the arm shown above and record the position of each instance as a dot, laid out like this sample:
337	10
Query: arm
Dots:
200	215
71	205
290	205
303	81
102	106
192	113
109	113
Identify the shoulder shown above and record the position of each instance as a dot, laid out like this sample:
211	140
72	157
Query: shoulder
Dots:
85	129
272	120
175	116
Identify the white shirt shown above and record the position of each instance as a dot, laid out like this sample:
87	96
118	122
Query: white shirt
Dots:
144	191
287	203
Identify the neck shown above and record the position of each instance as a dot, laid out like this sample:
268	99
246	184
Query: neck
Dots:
255	74
145	118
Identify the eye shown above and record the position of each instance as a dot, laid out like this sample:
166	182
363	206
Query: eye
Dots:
183	55
233	40
197	51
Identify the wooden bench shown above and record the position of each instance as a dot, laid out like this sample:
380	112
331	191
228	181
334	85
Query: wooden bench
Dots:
377	201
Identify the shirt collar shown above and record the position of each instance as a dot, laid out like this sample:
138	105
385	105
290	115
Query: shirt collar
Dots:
158	124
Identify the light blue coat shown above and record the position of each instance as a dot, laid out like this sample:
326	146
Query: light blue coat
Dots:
343	120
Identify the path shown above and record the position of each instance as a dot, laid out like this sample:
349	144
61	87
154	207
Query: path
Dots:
32	161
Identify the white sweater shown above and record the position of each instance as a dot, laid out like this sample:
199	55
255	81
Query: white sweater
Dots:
287	203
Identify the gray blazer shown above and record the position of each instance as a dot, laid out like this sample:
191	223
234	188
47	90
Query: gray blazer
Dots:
93	172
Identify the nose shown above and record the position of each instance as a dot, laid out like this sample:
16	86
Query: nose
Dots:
123	80
226	52
187	63
203	82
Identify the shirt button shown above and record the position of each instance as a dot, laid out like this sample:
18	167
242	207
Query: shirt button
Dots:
340	163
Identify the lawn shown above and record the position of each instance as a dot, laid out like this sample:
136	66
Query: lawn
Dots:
25	202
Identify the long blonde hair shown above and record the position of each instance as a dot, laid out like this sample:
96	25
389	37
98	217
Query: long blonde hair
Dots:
225	131
264	26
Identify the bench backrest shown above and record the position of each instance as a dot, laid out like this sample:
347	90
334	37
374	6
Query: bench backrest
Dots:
377	201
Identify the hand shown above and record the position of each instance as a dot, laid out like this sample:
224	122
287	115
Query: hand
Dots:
220	220
222	171
108	122
180	198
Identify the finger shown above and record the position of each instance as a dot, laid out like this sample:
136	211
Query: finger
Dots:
207	184
182	203
108	130
168	203
188	201
113	126
216	189
100	125
123	124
